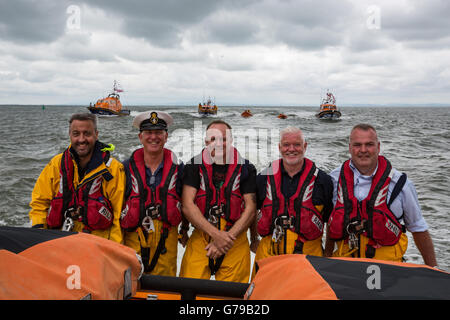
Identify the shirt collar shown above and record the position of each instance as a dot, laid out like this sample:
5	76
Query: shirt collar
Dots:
160	167
358	174
284	172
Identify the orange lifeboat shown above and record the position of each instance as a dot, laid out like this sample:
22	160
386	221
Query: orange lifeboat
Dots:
328	109
110	106
282	116
207	108
246	114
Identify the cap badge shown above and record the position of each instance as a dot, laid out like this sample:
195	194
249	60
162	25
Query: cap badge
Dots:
154	118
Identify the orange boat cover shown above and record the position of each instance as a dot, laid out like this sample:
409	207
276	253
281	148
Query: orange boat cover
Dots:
49	264
303	277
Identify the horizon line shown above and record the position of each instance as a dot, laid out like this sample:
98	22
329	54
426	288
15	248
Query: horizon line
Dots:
242	105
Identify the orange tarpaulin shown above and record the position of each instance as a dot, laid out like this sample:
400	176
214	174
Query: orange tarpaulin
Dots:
303	277
48	264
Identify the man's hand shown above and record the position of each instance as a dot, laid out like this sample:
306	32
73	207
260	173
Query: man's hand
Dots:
222	241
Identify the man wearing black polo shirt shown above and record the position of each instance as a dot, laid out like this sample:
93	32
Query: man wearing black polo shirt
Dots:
219	200
294	198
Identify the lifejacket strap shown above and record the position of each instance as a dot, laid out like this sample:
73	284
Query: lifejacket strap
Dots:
160	249
298	249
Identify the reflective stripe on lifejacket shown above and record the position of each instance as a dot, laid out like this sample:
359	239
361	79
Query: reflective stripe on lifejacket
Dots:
307	220
228	198
86	202
377	221
163	202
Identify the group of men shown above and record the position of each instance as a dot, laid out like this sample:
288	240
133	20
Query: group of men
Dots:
362	209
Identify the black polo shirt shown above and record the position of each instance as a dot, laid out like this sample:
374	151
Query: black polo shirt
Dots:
322	192
191	176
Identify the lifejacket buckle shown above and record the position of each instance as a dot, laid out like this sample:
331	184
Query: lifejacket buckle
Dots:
278	233
356	227
68	224
213	219
73	212
147	224
353	242
153	211
215	212
353	229
285	222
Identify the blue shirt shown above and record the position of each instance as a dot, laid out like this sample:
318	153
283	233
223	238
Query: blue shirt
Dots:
154	179
406	203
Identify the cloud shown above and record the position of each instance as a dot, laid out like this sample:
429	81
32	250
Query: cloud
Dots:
159	22
35	22
259	52
228	28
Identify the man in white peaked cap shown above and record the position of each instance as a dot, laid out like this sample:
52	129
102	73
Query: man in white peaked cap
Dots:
152	209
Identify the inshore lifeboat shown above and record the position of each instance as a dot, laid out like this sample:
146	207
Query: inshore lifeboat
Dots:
207	108
246	114
328	109
41	264
109	106
282	116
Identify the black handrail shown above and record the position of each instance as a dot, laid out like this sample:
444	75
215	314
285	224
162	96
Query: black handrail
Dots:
189	288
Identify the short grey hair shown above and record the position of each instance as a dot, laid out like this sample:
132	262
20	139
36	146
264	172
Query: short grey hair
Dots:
363	127
292	129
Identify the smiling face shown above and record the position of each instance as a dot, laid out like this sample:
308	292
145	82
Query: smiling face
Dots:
292	148
218	141
83	136
364	149
153	140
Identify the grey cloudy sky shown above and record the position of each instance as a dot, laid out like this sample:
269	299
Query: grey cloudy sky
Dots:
242	52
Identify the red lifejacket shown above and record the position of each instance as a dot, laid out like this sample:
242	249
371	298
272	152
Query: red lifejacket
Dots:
85	203
143	200
380	224
228	198
306	220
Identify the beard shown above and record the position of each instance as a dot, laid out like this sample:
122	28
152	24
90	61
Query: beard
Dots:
292	159
83	149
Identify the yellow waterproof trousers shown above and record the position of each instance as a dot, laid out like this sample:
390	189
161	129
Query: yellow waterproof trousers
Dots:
167	262
268	248
388	253
235	265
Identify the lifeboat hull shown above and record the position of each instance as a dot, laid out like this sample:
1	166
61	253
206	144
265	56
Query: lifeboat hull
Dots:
206	111
329	115
108	112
